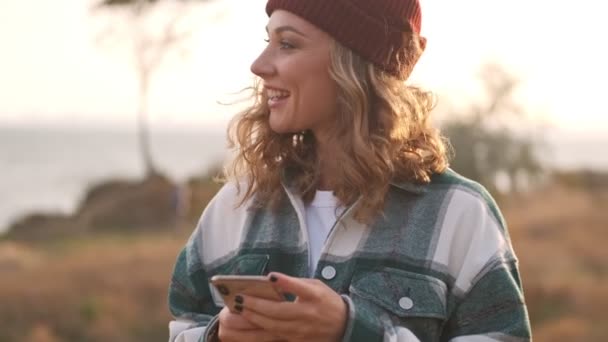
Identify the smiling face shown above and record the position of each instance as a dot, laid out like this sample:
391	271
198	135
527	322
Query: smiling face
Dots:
295	70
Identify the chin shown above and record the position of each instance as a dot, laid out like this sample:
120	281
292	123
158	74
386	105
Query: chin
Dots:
281	127
281	130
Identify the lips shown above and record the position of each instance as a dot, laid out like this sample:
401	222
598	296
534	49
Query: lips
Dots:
276	96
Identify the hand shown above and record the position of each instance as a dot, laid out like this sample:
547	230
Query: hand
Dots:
234	328
318	313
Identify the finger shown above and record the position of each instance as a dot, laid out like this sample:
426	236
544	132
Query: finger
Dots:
281	311
270	325
306	328
301	287
234	321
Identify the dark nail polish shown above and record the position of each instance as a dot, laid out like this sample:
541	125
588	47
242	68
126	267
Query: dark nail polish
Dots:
238	299
273	279
238	308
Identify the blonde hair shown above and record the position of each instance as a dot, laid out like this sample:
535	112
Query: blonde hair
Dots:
383	134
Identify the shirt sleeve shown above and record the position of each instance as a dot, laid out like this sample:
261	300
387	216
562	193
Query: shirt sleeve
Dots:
493	310
486	301
190	301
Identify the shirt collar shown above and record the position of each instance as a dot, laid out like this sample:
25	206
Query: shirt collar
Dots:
410	187
403	185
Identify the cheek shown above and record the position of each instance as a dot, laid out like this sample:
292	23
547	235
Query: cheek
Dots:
314	92
320	94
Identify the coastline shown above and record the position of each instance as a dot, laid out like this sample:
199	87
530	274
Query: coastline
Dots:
48	171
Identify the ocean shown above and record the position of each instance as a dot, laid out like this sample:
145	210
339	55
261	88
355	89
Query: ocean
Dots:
49	169
46	169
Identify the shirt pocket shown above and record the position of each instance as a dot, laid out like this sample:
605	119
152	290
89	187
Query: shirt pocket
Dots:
402	293
248	264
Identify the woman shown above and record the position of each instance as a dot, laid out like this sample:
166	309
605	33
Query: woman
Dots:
345	200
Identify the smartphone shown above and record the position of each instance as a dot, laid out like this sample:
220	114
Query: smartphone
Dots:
229	286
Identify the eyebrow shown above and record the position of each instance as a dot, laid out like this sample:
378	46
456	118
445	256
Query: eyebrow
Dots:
282	29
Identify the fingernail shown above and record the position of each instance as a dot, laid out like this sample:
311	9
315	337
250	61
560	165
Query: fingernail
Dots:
238	308
238	299
273	278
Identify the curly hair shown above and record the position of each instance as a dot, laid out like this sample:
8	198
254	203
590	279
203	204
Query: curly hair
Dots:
382	134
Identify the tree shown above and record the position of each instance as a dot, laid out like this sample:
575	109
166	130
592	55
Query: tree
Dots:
487	147
150	43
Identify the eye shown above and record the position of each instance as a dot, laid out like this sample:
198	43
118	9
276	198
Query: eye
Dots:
283	44
286	45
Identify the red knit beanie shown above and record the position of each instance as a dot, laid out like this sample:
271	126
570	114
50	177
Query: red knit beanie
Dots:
375	29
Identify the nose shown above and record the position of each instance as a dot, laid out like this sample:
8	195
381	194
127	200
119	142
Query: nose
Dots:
263	65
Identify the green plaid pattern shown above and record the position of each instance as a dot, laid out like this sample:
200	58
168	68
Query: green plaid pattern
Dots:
436	266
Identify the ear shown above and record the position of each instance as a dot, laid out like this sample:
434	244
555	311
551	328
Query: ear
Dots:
422	42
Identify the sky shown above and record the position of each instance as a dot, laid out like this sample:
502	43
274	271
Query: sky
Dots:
53	71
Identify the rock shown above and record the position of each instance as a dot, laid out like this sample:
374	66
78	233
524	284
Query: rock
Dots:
114	205
42	226
129	205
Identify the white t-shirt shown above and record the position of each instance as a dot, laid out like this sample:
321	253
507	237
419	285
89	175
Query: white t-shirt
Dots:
321	214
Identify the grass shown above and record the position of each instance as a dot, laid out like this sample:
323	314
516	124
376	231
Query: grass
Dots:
560	237
106	288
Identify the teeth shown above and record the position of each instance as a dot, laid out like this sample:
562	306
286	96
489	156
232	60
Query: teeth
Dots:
276	94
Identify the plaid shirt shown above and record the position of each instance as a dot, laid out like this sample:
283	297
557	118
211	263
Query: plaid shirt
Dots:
436	266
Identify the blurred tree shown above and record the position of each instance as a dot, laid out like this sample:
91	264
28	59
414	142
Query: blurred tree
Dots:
154	30
491	144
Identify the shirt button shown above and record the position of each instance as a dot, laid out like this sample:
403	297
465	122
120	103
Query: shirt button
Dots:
328	272
406	303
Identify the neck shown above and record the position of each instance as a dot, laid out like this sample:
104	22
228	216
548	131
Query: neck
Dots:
327	165
324	184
